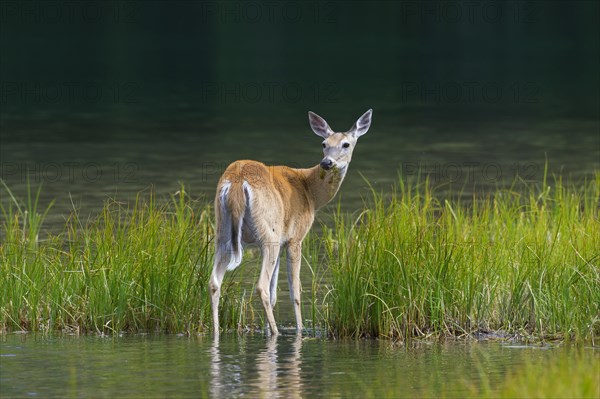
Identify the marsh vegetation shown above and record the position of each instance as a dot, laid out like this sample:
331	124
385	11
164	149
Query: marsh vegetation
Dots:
520	261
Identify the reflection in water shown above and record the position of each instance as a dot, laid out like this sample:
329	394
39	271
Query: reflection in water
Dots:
266	364
216	386
277	365
256	367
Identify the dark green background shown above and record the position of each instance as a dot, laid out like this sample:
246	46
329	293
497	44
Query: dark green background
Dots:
154	92
180	64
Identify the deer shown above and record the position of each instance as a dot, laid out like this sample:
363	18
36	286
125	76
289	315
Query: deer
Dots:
274	208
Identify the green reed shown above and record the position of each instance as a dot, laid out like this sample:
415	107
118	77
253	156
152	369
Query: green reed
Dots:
522	260
133	267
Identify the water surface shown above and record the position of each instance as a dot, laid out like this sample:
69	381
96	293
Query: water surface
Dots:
252	366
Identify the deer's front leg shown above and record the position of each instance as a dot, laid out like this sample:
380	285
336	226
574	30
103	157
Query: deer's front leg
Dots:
294	258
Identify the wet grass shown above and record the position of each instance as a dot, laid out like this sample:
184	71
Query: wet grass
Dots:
524	261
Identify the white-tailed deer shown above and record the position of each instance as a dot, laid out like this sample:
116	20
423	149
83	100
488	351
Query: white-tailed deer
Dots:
274	207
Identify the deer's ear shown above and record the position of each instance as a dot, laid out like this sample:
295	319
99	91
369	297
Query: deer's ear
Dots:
362	124
319	126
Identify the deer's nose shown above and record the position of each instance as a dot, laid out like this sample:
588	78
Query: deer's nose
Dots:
326	163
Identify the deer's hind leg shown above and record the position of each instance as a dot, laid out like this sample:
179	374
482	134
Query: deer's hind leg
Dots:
264	287
224	259
273	287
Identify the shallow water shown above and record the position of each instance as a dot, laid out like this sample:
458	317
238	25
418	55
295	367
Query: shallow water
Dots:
252	366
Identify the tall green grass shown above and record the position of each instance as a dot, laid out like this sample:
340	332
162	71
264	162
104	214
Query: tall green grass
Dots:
133	267
523	260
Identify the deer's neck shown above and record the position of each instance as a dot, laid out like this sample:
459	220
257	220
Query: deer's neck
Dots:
324	184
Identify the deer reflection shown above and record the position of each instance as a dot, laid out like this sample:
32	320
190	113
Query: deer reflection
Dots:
217	383
277	367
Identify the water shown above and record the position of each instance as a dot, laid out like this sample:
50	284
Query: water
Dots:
252	366
103	100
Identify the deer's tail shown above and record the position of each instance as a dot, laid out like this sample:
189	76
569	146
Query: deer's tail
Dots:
230	207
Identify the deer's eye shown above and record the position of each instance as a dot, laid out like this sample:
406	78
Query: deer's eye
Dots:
346	145
324	145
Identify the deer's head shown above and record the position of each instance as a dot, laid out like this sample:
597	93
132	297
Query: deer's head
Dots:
338	147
